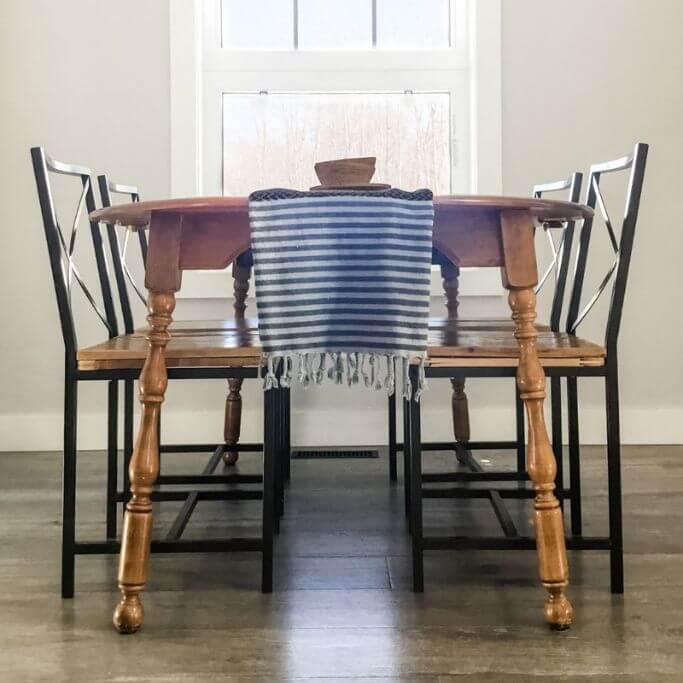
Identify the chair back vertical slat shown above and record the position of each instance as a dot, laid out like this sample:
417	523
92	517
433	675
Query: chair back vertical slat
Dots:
573	185
581	260
101	261
106	189
622	246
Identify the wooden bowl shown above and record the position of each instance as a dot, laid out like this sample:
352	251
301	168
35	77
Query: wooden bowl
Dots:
339	172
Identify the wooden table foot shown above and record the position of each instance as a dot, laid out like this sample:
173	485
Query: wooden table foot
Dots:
144	469
541	465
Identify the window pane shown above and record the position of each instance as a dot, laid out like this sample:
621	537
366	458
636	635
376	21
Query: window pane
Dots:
274	140
258	24
413	24
335	24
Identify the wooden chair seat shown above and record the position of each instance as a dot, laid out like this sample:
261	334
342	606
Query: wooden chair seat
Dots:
482	324
455	344
188	348
451	344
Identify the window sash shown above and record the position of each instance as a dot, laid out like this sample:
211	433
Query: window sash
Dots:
218	84
218	58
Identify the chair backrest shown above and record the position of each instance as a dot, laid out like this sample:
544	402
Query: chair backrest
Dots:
61	248
622	245
560	250
119	247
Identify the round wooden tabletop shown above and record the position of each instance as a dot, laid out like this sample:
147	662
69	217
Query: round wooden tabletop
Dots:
139	213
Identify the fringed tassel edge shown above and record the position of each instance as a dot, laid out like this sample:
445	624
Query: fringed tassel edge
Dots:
356	367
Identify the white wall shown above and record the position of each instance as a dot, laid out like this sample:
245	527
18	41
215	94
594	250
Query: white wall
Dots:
582	81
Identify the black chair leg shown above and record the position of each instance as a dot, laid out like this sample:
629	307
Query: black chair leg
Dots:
392	437
556	418
614	481
159	438
416	489
279	462
69	487
128	420
270	439
287	447
574	456
112	455
406	459
521	434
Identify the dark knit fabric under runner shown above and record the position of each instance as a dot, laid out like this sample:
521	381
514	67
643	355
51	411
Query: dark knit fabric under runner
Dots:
342	283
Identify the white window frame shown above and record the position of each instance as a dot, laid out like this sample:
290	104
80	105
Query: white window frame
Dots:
201	71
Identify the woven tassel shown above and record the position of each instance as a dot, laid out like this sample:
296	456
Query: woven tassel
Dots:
348	363
363	371
301	378
320	372
306	369
271	380
422	380
407	389
390	384
333	365
378	377
338	369
356	361
371	382
286	377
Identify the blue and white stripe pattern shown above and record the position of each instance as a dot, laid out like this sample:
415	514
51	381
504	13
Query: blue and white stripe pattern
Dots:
342	283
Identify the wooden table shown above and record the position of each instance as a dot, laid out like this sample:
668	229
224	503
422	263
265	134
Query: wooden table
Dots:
210	233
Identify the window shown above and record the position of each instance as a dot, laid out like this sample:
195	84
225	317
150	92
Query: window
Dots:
415	83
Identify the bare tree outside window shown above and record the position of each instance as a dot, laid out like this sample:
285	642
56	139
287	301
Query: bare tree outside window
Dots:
275	139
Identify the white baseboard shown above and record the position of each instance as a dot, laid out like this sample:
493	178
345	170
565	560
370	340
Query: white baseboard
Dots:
323	427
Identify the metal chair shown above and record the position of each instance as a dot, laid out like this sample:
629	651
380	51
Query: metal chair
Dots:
227	354
128	289
579	359
558	267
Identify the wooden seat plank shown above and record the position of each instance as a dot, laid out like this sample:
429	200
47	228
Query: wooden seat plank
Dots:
456	341
448	343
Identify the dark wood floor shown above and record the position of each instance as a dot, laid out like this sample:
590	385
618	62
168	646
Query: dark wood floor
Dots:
342	608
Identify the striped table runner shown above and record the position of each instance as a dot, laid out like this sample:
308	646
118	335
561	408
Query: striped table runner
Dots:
342	284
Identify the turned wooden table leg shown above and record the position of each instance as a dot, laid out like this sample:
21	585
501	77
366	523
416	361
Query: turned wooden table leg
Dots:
233	421
519	277
459	407
460	410
144	469
241	272
541	465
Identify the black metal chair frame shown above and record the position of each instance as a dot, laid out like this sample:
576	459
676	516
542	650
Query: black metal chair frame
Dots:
618	273
559	265
124	281
60	252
